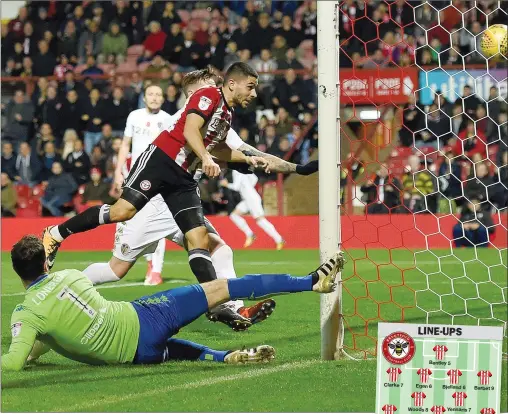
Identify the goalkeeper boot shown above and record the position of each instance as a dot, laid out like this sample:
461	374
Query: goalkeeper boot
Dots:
50	246
258	312
327	273
262	354
227	314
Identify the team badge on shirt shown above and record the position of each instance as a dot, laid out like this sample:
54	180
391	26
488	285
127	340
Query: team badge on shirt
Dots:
145	185
124	248
16	329
204	103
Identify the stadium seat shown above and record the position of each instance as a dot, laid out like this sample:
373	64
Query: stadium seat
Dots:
107	67
142	66
31	209
37	191
200	14
22	191
126	67
80	68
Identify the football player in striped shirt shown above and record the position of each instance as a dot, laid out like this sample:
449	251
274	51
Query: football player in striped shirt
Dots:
418	398
393	373
454	375
460	398
389	408
484	377
424	374
440	351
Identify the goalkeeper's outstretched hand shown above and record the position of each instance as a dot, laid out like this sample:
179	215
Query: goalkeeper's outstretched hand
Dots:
308	169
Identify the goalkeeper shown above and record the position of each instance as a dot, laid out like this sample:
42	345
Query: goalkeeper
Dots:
64	312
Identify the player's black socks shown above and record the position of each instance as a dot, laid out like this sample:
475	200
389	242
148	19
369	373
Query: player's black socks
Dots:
315	278
201	265
87	220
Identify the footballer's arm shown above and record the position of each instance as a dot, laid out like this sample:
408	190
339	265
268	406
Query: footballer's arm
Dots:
275	164
192	134
20	349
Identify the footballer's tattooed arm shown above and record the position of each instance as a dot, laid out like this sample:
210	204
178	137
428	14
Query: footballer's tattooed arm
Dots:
276	164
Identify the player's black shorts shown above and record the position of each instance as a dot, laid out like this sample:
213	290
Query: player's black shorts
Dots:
154	172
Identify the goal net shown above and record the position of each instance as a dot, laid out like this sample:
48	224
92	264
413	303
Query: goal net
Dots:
423	168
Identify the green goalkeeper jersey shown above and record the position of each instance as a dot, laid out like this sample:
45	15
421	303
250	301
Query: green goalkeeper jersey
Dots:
65	311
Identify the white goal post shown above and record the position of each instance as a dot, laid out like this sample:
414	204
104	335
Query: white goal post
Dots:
332	329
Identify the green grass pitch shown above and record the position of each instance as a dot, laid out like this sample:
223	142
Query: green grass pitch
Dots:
297	380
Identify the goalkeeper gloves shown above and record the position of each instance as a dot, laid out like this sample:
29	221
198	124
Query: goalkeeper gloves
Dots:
307	169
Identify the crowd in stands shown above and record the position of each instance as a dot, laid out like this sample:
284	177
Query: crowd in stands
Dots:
92	60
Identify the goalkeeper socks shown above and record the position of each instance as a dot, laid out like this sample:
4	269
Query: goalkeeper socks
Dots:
201	265
88	220
258	286
180	349
269	229
100	273
241	224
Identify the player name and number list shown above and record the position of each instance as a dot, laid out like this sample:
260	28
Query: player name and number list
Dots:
438	369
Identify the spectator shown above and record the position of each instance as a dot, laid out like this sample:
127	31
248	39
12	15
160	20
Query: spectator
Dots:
469	101
8	160
281	148
43	23
78	18
169	17
383	193
495	105
93	112
154	42
486	125
10	68
96	191
27	70
449	182
98	158
265	63
70	83
474	227
292	35
116	110
471	142
9	197
458	122
107	139
223	30
18	119
438	125
16	25
290	61
290	93
40	93
279	48
29	40
479	183
112	159
190	54
243	36
90	42
71	113
417	184
98	16
202	35
443	104
215	51
263	33
68	42
412	121
49	157
44	135
91	67
78	163
283	122
171	105
48	111
309	23
59	191
62	68
69	138
114	45
18	56
231	54
28	166
123	15
250	13
157	65
173	44
268	139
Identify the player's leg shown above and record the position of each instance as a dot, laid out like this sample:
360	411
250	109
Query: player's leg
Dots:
182	350
112	271
162	315
141	185
156	263
239	221
255	206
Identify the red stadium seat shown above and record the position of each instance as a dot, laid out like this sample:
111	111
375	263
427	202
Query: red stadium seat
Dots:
80	68
184	15
31	209
127	67
135	50
22	190
200	14
38	191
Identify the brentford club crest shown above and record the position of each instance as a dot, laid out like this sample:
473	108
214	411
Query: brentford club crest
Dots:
398	348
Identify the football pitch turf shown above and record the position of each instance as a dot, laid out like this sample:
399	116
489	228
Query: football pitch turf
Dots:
297	380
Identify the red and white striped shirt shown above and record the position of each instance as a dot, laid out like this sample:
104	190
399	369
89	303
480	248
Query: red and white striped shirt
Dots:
393	374
454	375
418	398
484	377
440	351
389	408
424	374
438	409
487	411
459	398
210	104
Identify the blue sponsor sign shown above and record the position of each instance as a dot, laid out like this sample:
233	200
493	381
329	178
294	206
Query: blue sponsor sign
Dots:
451	83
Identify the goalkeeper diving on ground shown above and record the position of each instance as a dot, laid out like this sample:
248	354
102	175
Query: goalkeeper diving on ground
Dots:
64	312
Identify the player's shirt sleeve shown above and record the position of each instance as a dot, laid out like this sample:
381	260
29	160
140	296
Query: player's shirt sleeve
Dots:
129	126
24	329
233	140
204	103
